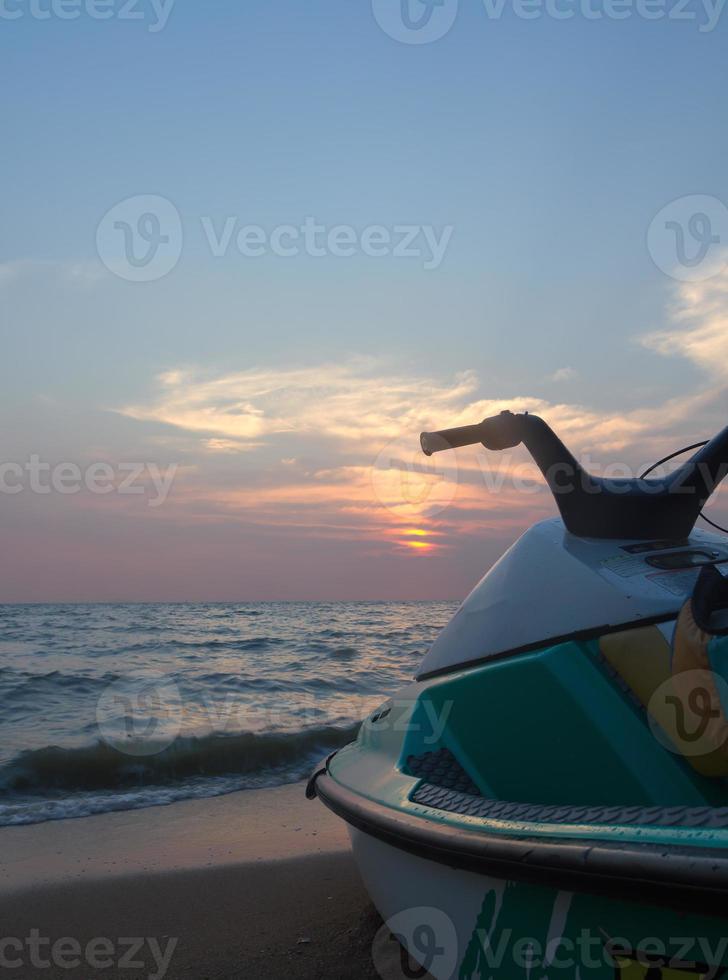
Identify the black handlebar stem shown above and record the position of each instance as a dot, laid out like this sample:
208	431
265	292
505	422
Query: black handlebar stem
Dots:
600	507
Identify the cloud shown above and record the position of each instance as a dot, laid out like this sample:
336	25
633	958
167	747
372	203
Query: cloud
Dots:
347	403
359	406
699	331
229	446
80	273
562	374
331	450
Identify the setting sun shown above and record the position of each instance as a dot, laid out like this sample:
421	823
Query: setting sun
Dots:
418	545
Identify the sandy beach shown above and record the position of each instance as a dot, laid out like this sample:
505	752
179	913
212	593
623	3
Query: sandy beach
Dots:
253	884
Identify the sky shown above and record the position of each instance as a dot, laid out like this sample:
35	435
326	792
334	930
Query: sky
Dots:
249	250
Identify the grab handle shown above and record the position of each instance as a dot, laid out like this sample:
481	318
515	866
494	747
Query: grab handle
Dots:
462	435
498	432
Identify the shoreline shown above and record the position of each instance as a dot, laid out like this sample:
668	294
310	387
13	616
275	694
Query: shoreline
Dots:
257	883
245	826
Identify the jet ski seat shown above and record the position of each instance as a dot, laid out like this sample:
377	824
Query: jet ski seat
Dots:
640	658
681	688
700	667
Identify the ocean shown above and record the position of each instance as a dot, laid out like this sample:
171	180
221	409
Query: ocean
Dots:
116	707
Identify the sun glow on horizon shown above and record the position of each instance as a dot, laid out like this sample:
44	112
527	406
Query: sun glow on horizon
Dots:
420	546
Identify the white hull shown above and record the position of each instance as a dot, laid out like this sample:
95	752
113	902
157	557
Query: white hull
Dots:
413	894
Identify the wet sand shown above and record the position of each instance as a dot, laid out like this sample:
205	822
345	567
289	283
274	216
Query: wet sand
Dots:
255	884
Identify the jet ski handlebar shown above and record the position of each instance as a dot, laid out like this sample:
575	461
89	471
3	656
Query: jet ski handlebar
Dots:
593	506
498	432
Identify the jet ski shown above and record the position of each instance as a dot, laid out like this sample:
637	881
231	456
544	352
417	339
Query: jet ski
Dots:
549	797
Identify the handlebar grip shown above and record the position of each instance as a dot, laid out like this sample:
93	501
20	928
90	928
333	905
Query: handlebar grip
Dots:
462	435
498	432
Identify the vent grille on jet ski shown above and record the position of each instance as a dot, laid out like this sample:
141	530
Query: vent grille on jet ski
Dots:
441	769
467	805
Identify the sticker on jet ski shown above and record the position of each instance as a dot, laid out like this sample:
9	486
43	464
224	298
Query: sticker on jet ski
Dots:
643	969
524	932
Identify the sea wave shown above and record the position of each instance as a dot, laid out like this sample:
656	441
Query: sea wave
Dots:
264	690
103	766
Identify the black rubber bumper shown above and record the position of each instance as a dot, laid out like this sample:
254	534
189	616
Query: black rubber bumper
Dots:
687	878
